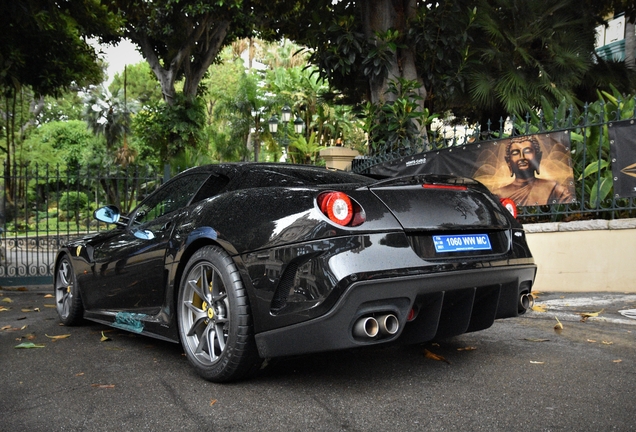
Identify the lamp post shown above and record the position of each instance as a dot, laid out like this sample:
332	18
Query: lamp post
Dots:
286	117
256	114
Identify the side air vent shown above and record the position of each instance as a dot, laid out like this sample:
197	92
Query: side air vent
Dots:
285	285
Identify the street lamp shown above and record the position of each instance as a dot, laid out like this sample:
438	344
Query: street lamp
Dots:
286	117
256	114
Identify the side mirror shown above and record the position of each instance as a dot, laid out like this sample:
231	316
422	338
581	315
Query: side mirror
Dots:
109	214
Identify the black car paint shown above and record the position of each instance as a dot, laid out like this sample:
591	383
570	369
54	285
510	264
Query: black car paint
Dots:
299	268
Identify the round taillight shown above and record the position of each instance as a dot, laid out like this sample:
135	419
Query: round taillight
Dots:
337	207
510	205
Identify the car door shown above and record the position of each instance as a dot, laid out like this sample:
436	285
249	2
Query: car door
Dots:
129	270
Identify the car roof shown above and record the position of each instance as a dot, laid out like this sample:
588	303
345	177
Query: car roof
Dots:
318	175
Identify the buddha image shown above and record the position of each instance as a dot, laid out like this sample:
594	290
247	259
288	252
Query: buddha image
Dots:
523	162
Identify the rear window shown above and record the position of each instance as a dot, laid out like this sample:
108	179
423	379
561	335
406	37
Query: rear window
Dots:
290	177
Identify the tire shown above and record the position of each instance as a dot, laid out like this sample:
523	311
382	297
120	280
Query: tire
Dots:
67	296
213	314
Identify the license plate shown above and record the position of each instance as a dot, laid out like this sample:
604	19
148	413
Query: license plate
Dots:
462	242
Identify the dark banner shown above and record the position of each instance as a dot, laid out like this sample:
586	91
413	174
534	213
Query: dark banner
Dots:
623	152
532	170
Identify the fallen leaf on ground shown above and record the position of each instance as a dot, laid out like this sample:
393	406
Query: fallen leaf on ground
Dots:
558	326
79	374
591	341
586	315
28	345
7	300
30	310
104	338
49	296
7	327
4	309
617	361
607	343
467	349
50	305
58	337
105	386
536	340
539	308
536	362
434	356
30	336
213	401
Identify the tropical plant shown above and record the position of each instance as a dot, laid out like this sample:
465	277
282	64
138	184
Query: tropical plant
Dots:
109	116
395	127
170	129
302	151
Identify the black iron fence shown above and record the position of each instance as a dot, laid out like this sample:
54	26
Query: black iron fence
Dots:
591	157
43	206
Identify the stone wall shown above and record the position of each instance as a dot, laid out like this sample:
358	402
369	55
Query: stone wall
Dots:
597	255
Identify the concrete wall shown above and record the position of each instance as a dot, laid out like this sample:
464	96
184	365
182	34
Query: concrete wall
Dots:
596	255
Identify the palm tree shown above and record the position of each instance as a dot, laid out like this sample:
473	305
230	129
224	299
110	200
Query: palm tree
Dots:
109	115
526	50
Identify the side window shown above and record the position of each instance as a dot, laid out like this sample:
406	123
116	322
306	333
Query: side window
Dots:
175	195
213	186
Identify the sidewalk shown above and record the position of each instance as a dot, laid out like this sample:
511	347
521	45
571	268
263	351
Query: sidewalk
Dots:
588	306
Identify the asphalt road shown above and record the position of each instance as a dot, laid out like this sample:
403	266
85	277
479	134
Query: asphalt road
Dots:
518	375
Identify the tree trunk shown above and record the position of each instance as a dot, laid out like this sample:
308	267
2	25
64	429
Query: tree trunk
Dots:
196	69
193	57
380	16
166	77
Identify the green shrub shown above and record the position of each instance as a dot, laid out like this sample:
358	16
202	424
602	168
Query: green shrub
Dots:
73	201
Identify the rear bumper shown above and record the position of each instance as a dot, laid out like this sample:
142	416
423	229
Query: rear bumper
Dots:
446	304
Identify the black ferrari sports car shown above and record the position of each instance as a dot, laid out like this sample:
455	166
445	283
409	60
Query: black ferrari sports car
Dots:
242	262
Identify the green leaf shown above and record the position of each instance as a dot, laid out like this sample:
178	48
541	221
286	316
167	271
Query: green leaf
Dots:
600	192
26	345
610	97
594	167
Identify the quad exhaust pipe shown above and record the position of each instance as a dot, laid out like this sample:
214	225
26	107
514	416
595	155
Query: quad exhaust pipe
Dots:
369	327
